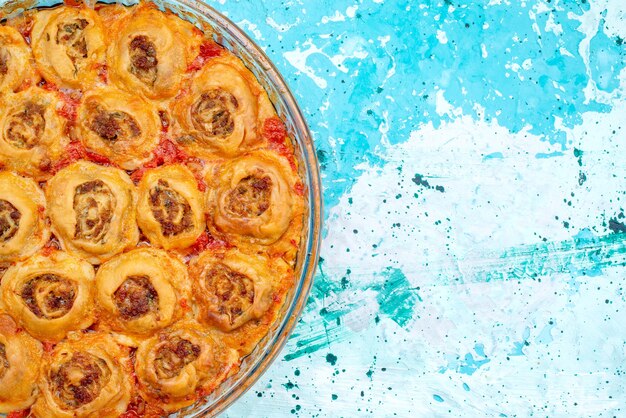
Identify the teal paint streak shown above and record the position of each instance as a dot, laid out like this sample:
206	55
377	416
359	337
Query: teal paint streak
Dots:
395	295
585	254
396	298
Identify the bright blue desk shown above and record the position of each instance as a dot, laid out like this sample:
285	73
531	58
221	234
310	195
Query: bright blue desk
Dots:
474	164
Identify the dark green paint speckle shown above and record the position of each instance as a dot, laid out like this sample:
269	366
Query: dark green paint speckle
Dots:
289	385
421	181
331	358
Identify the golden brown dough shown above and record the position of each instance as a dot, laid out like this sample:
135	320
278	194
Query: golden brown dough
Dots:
32	133
142	291
150	52
170	208
86	375
219	114
23	225
20	359
92	209
231	287
68	45
251	198
120	126
115	300
180	364
16	61
50	295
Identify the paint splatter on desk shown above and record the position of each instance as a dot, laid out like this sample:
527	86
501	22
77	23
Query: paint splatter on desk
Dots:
474	258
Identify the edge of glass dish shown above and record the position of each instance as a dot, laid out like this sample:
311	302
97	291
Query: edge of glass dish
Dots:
229	35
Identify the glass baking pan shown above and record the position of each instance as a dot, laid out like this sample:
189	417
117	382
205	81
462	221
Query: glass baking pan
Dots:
227	34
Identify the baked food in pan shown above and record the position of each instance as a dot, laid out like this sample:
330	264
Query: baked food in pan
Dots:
150	212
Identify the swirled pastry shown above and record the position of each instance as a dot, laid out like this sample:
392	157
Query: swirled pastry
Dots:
231	288
20	359
92	209
219	113
150	211
87	375
68	45
16	61
32	133
23	225
150	52
120	126
141	291
170	207
177	366
251	198
50	295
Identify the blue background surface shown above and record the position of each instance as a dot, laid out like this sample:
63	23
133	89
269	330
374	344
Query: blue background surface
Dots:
473	161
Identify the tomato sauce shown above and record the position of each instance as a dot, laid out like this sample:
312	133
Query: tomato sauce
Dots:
165	121
140	408
208	50
206	241
299	188
70	101
168	153
196	165
103	73
76	151
47	250
130	414
47	346
73	3
19	414
165	153
69	110
275	133
25	27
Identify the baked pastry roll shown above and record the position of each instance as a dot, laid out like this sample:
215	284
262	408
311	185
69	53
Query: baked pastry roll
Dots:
86	375
32	133
170	208
219	112
150	52
180	364
68	45
231	287
141	291
20	359
92	209
251	198
50	295
23	225
122	127
16	61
